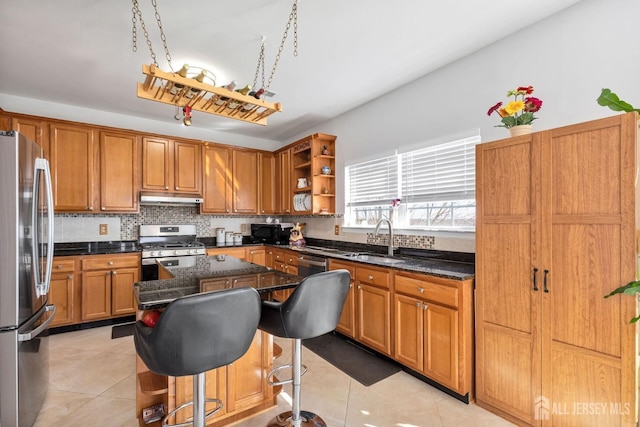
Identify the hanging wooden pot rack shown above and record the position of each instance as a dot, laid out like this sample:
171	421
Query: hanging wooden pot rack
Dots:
173	89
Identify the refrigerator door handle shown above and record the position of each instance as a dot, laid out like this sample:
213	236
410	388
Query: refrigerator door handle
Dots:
42	288
35	332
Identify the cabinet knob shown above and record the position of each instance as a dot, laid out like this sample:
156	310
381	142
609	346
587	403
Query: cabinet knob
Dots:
425	306
110	262
59	266
90	208
70	276
114	272
418	304
103	208
177	188
370	277
227	210
166	188
421	290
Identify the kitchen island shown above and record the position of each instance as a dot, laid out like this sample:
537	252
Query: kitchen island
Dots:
242	386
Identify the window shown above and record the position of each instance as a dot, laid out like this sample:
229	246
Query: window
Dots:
436	186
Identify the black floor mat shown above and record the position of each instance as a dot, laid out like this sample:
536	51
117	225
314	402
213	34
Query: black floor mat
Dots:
120	331
361	365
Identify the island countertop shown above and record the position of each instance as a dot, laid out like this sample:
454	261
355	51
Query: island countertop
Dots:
210	273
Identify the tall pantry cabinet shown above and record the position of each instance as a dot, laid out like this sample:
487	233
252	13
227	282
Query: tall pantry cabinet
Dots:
556	231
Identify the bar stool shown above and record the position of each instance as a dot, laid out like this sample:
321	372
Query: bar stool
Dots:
198	333
313	309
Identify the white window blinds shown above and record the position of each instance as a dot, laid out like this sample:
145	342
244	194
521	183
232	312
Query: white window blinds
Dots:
372	182
440	173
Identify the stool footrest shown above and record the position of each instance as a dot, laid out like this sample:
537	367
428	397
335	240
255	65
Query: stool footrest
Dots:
165	420
278	369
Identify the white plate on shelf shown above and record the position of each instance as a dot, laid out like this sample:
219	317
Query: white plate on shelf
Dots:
307	202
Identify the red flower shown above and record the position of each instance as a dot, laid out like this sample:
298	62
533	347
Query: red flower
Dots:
494	108
532	104
526	89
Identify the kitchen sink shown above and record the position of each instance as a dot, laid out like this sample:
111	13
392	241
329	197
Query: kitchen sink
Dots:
363	256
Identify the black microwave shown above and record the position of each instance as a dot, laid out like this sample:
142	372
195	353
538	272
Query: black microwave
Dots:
272	234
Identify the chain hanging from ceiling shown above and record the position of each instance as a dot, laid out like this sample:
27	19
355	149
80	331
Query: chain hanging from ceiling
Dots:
176	89
293	19
137	16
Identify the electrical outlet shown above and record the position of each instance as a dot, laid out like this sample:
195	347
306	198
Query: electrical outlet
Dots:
104	229
244	228
336	230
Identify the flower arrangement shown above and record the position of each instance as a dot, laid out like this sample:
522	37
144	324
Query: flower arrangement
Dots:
520	110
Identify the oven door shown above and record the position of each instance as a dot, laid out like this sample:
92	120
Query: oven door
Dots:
151	269
308	265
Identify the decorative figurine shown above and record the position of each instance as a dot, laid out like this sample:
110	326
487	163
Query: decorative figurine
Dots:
325	150
295	237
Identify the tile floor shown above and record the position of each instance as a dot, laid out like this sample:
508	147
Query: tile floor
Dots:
92	383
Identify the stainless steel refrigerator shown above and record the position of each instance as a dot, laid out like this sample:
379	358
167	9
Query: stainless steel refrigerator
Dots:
26	256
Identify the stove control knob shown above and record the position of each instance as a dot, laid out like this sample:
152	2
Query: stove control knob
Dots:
175	252
153	253
160	253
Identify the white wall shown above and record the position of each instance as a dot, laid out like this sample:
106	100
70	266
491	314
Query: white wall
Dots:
568	58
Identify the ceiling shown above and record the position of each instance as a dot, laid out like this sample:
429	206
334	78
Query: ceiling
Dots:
79	52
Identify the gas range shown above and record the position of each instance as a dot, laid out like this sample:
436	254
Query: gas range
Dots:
161	241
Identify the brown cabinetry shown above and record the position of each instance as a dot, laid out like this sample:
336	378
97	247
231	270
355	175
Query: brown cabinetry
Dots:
119	172
107	285
35	129
373	308
313	162
242	386
171	166
347	323
433	332
268	185
64	290
555	233
94	171
366	315
245	182
231	181
73	153
284	197
217	179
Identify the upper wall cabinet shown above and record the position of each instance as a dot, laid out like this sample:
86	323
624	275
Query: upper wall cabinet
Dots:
268	187
217	179
34	129
171	166
245	182
73	153
94	171
119	172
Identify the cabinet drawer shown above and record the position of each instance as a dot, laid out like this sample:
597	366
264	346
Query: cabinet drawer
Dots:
373	277
339	265
424	287
103	262
291	259
62	265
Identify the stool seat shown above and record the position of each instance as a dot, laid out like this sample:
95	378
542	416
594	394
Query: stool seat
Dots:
313	309
198	333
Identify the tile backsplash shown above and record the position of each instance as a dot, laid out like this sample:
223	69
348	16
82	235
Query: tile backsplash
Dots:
86	228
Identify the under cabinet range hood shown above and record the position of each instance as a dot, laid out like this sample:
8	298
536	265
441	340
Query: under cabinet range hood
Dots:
169	200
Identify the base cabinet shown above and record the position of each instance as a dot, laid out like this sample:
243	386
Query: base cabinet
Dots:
107	286
556	231
65	286
433	332
242	386
347	323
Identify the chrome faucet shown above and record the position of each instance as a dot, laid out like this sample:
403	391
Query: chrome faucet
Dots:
377	231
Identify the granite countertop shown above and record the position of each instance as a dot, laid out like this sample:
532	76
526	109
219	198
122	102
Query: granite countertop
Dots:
448	265
210	273
95	248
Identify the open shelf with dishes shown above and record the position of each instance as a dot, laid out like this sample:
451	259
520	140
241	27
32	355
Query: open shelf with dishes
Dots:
313	178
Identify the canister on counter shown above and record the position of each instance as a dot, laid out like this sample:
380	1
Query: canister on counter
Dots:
219	235
228	237
237	239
